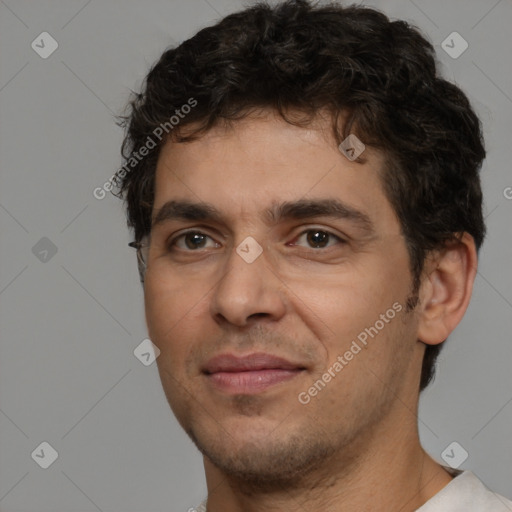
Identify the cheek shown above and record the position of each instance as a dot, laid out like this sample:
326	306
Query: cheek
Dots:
364	360
346	302
174	312
357	314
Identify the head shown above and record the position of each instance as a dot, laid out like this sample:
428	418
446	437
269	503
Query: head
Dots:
246	118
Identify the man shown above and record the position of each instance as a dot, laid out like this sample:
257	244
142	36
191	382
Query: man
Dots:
307	210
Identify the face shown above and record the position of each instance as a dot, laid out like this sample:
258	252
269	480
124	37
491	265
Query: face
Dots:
276	287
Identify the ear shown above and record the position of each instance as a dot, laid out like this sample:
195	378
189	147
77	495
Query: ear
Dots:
446	289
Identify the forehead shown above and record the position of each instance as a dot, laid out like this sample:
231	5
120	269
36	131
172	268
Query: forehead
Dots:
250	164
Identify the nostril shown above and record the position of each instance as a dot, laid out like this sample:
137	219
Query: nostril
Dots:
258	315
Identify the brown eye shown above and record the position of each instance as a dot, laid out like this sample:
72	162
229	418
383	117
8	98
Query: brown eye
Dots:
192	240
318	238
195	240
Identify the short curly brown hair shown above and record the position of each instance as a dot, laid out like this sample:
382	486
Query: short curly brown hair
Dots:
353	61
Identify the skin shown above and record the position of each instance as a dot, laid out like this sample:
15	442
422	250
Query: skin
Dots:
355	445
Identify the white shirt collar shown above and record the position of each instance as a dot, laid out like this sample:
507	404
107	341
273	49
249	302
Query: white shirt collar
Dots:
466	493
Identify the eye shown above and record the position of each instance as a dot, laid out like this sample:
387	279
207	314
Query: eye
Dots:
192	240
318	238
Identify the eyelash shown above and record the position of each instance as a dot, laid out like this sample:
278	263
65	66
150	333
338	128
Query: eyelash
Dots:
172	242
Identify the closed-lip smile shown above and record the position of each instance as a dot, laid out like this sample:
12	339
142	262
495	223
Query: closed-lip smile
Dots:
249	374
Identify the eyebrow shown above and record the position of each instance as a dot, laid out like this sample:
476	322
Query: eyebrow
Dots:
278	212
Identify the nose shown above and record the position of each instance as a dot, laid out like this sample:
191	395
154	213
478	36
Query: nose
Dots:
248	292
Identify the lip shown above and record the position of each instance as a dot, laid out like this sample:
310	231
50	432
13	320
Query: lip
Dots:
249	374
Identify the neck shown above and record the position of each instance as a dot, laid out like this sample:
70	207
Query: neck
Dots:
386	469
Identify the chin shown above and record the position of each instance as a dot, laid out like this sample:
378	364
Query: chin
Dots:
263	460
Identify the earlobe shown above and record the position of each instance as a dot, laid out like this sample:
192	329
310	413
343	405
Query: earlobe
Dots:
446	289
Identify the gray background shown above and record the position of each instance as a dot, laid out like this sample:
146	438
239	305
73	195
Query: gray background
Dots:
69	325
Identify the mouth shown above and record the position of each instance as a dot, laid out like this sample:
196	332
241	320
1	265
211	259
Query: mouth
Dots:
249	374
